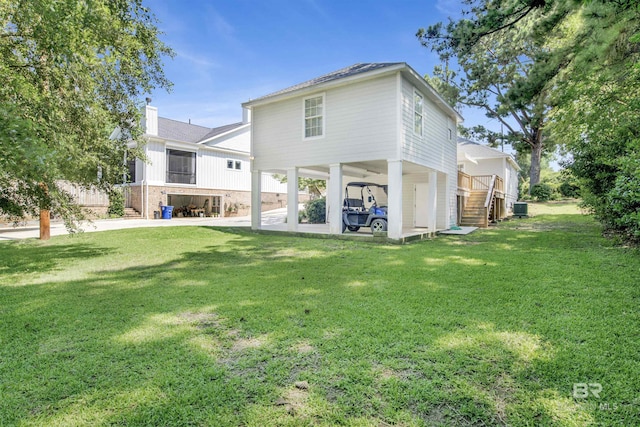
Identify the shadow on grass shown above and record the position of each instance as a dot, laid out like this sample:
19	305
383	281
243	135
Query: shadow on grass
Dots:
264	330
18	259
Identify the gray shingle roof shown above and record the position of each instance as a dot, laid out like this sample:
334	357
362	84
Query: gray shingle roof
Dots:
186	132
349	71
220	130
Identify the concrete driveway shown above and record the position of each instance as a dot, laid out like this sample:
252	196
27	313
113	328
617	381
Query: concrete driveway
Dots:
32	229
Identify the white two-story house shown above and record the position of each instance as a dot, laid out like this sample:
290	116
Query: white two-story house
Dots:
376	122
197	169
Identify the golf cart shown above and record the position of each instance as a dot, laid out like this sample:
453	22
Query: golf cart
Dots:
364	206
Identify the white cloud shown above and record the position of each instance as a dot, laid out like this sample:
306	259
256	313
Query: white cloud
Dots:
450	8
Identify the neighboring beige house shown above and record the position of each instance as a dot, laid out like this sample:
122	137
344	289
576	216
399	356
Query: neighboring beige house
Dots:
377	122
197	169
479	166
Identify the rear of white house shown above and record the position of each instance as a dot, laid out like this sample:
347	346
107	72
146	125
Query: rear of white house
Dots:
196	170
375	122
480	160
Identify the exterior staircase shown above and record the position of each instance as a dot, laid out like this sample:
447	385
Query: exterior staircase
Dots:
474	214
130	213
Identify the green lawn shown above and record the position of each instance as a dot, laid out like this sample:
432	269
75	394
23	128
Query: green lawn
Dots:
202	326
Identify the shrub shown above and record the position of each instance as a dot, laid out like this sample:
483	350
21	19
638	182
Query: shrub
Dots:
116	203
542	192
569	189
316	211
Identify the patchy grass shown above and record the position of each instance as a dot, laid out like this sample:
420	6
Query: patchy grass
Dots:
198	326
557	207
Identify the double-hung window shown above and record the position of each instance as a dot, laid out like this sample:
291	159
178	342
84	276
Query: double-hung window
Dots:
314	117
418	104
181	167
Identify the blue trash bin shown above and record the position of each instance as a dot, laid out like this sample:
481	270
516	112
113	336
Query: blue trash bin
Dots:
167	212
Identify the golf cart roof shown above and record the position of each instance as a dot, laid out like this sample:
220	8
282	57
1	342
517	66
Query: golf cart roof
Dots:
366	184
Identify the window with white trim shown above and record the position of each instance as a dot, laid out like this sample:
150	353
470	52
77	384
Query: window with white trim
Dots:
314	116
417	113
234	164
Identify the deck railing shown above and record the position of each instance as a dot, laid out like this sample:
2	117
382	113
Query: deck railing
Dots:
479	182
492	184
464	181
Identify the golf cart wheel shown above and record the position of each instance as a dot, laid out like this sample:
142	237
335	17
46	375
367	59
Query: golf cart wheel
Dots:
378	225
353	228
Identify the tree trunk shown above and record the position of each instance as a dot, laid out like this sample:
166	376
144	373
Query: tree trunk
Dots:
45	215
534	170
45	225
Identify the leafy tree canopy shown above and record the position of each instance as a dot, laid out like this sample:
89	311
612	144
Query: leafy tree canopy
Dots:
71	72
503	69
583	58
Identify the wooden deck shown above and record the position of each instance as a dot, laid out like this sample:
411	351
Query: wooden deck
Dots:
481	199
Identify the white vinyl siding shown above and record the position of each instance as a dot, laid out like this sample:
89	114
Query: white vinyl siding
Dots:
156	168
314	117
360	125
433	149
213	171
272	185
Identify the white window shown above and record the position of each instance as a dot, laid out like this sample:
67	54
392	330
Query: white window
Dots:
417	113
234	164
314	117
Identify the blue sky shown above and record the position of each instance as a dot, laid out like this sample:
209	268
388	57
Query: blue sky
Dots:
229	51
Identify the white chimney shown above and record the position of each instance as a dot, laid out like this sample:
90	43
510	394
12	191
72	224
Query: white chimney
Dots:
150	121
246	115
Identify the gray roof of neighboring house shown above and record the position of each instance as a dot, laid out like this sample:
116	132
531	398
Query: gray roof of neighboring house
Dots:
349	71
186	132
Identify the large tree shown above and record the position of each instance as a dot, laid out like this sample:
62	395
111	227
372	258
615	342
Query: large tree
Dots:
71	72
596	111
588	64
503	71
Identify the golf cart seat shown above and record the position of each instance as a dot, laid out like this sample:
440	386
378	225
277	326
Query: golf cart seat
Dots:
354	204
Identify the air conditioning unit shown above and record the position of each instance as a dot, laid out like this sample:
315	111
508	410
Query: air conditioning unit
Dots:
520	209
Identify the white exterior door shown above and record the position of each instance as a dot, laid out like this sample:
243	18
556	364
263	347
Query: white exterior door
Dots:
421	205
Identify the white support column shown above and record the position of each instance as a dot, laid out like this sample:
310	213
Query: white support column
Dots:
256	200
394	189
334	199
292	199
432	201
449	207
